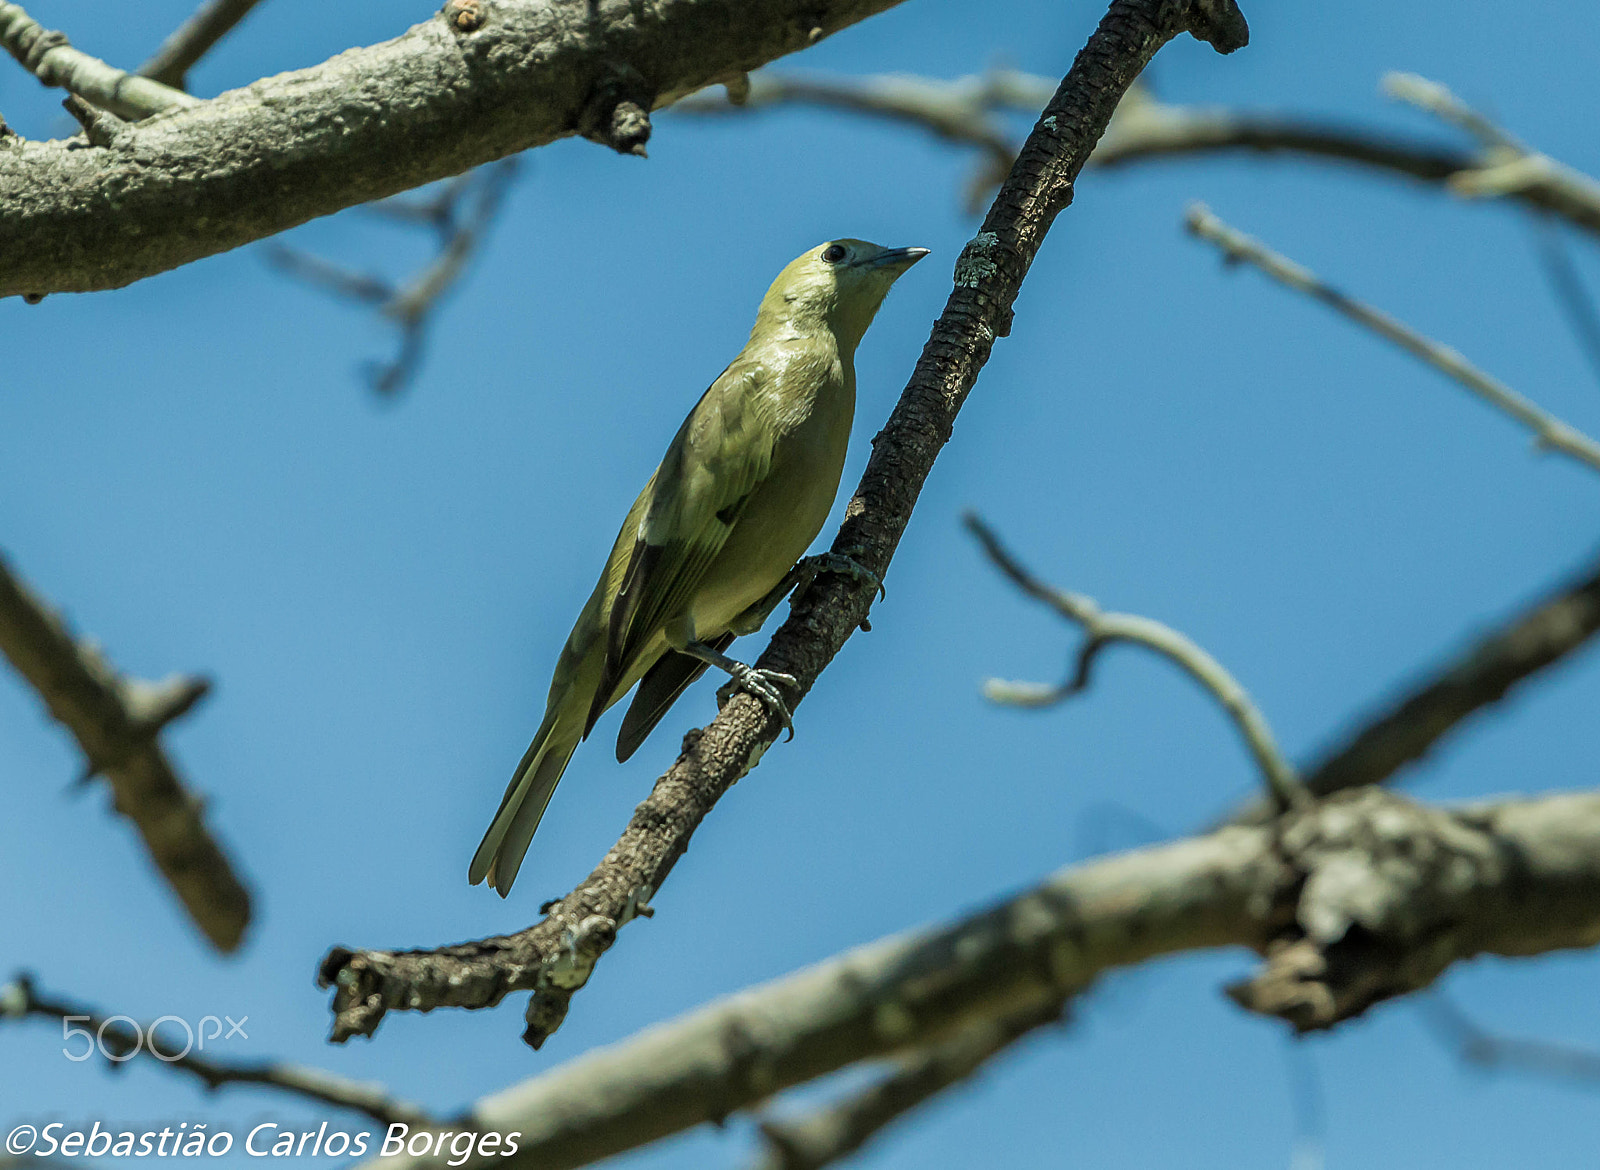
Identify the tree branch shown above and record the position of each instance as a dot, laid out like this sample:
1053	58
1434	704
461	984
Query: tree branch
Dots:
555	957
19	1000
1102	629
212	21
1373	895
473	84
52	59
410	306
1549	432
1480	675
1146	129
116	722
1492	1053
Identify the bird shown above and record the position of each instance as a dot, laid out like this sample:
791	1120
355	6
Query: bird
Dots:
713	543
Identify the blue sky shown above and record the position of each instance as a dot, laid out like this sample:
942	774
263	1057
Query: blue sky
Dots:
192	469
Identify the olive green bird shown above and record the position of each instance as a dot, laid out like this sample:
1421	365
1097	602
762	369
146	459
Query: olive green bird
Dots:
710	547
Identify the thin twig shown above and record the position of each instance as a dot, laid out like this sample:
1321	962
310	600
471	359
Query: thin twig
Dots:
1490	1052
119	1042
1508	168
117	722
52	59
818	1139
212	21
961	111
1572	295
1102	629
460	214
1436	99
1549	432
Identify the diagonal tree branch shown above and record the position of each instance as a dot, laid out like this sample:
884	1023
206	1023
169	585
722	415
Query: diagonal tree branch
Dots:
1550	433
473	84
116	722
193	39
1354	900
1481	674
19	999
554	957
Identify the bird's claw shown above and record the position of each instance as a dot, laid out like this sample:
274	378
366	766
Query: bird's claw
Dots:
832	562
760	682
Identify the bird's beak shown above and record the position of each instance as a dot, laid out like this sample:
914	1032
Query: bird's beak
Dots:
898	259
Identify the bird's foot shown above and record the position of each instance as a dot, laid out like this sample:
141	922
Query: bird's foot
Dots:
832	562
762	684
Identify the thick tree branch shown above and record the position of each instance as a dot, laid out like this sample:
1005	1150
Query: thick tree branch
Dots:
474	84
52	59
1370	895
554	957
119	1042
116	722
212	21
1549	432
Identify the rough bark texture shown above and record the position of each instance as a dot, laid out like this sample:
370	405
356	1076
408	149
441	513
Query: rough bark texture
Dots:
554	957
451	93
1362	897
116	722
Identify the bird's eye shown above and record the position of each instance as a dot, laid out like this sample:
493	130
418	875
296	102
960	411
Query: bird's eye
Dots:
833	253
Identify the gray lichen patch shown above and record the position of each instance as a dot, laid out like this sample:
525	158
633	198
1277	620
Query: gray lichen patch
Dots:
975	266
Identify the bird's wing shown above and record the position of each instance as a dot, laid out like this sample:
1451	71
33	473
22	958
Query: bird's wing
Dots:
718	457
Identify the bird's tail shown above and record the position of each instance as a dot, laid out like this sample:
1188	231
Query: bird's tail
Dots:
500	855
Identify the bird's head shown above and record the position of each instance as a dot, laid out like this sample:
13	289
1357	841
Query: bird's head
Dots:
837	285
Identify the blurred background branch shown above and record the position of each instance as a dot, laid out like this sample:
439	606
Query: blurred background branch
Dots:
117	722
212	21
459	214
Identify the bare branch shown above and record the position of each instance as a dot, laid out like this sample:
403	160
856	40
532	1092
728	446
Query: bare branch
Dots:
51	58
1549	432
554	957
824	1137
19	999
961	111
116	722
1375	896
1472	1044
1574	298
193	39
1406	728
410	306
1101	629
1146	130
1436	99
